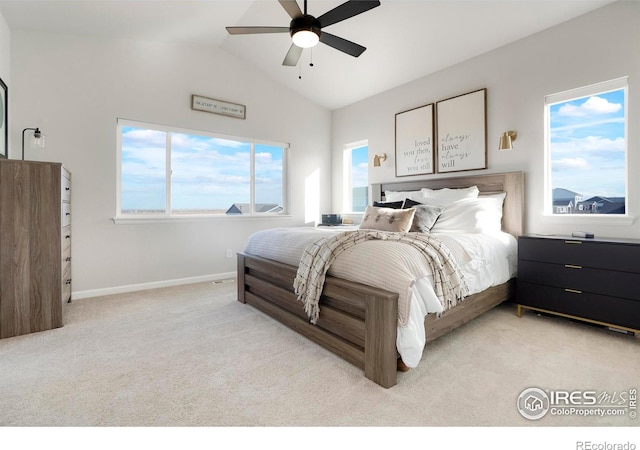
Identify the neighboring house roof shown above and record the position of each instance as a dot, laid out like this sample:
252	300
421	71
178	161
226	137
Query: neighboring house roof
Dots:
605	205
564	194
245	208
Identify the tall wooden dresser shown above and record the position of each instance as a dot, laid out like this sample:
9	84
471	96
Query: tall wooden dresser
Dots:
35	246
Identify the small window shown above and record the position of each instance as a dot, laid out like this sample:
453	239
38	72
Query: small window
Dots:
586	150
168	172
356	177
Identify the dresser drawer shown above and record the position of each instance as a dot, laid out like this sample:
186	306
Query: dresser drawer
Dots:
594	254
66	284
66	256
66	237
66	214
65	187
599	308
598	281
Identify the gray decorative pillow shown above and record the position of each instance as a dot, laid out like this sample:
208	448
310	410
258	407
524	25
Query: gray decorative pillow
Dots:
387	219
425	217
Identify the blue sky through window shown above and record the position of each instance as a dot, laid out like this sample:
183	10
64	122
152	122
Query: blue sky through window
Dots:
208	174
587	145
359	178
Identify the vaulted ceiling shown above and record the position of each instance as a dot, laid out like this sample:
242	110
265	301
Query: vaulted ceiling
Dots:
405	39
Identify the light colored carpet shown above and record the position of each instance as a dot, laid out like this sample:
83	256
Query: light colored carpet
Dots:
194	356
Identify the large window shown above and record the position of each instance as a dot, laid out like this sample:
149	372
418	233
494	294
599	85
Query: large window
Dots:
356	177
586	150
167	171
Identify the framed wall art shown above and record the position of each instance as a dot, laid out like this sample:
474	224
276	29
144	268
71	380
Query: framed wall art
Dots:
212	105
4	113
414	141
462	132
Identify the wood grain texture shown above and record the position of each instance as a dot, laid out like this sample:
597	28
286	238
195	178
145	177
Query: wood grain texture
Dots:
31	256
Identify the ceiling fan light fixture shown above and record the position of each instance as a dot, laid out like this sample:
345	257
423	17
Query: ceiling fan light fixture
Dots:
305	39
305	31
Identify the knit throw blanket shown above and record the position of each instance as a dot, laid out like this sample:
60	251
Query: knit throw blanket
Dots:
449	284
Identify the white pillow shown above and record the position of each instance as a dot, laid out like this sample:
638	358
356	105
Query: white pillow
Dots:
471	215
399	196
448	195
500	197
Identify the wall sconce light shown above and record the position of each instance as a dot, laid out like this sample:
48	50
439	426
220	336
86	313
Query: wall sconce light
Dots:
506	140
36	140
378	158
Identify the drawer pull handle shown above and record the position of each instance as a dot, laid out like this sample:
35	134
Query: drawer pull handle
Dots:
573	291
68	258
571	266
67	189
67	281
67	214
573	242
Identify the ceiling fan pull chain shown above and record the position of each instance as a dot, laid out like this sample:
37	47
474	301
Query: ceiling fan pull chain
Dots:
300	71
311	57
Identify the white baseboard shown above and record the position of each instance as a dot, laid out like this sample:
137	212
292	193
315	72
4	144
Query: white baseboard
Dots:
78	295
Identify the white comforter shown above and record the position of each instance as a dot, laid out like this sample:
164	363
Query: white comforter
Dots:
485	260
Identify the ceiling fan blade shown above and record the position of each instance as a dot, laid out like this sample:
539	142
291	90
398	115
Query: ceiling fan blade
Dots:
257	30
293	56
343	45
292	8
346	10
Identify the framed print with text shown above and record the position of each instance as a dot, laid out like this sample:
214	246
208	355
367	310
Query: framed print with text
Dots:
414	141
462	132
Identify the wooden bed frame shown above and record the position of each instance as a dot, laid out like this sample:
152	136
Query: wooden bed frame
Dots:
359	322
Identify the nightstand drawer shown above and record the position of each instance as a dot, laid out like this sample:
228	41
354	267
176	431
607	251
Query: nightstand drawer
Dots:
597	281
599	308
585	253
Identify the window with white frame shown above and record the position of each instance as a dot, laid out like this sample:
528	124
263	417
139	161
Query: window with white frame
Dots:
356	177
586	150
167	171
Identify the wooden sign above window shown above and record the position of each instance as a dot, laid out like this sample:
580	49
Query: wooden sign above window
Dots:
200	103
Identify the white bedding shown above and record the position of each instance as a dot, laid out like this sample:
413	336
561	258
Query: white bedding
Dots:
486	259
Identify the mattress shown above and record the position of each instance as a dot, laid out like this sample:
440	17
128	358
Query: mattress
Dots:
485	259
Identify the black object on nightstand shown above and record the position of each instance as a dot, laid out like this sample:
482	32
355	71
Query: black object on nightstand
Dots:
594	280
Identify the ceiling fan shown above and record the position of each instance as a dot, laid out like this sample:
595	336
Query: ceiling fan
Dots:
306	31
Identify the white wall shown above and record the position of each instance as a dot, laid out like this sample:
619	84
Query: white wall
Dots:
598	46
74	88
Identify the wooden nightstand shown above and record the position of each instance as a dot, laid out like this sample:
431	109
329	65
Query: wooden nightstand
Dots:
594	280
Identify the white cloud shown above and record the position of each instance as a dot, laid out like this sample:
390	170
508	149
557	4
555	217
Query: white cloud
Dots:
599	105
144	137
569	163
593	105
589	144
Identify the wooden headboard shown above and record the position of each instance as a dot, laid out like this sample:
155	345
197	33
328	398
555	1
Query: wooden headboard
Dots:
510	182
